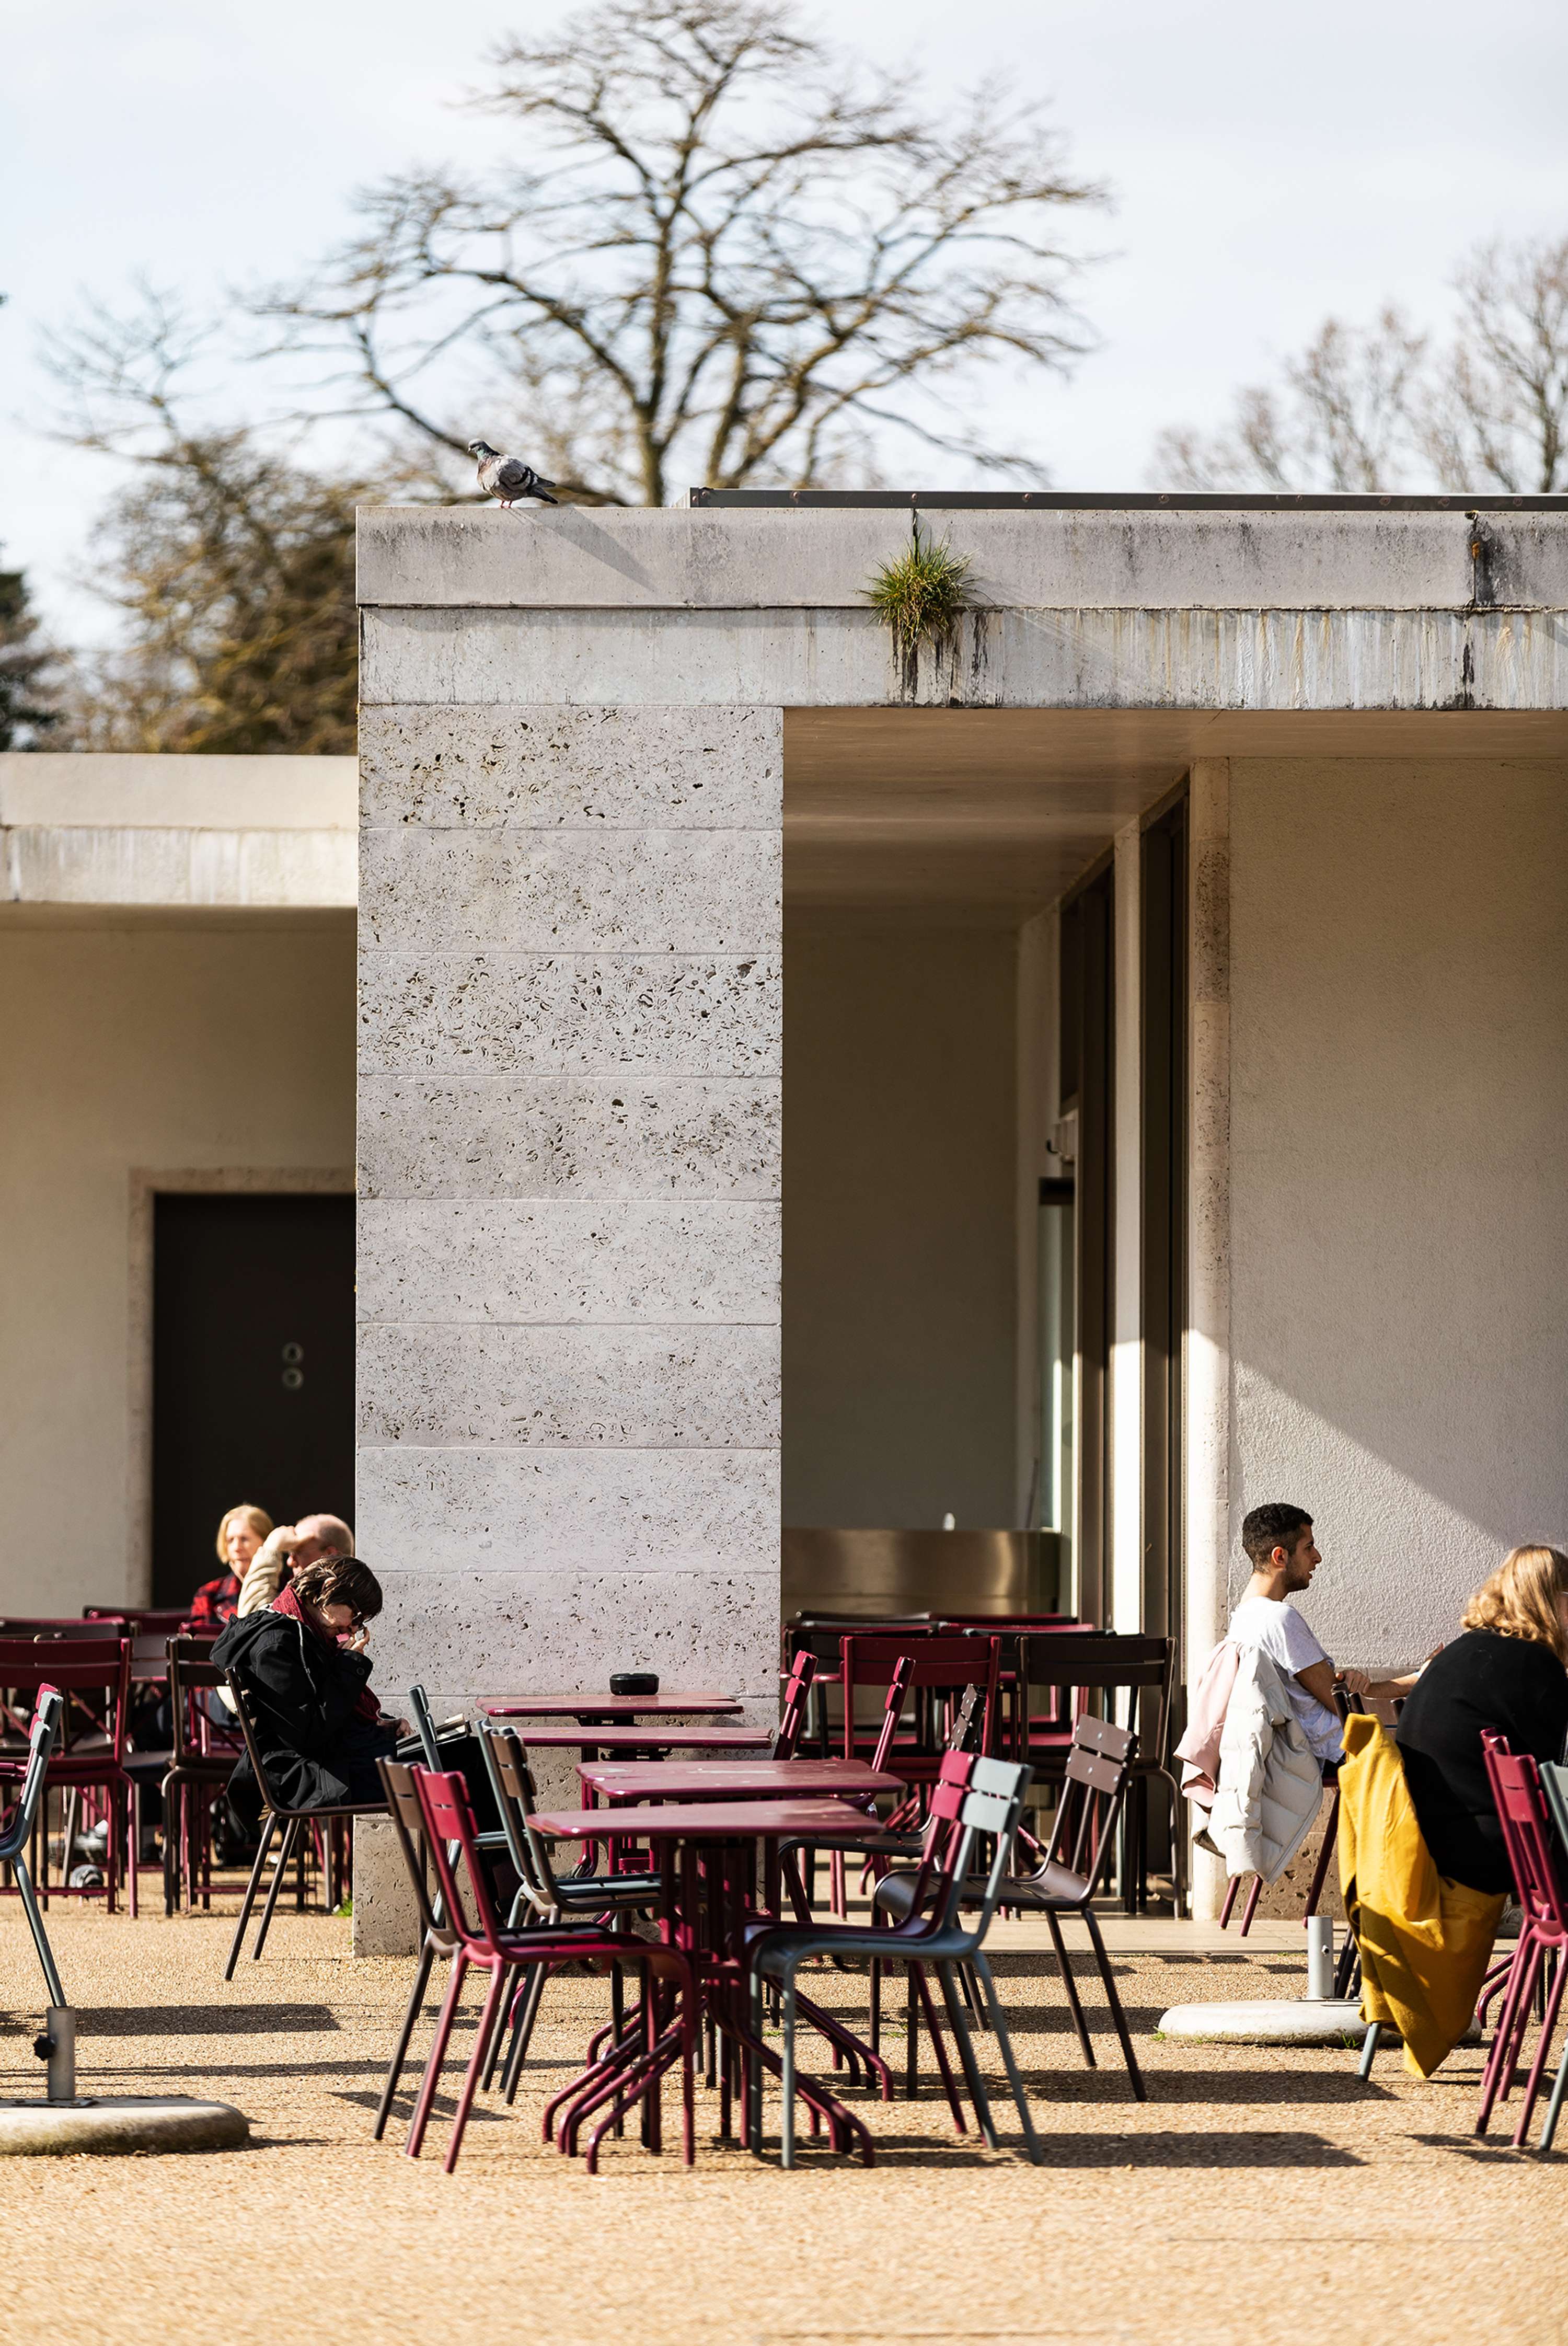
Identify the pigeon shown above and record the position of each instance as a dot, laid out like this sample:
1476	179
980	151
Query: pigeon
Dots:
507	478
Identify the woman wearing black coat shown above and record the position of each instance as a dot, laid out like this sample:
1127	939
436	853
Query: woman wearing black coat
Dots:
1506	1673
319	1728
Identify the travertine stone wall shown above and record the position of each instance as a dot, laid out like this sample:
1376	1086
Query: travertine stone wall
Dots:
569	1130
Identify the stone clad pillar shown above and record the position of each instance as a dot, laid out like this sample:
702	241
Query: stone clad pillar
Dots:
569	1180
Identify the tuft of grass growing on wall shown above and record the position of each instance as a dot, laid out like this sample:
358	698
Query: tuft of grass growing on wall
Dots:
921	594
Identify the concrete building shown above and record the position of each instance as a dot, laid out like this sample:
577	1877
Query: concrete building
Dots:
177	967
1110	1074
1205	888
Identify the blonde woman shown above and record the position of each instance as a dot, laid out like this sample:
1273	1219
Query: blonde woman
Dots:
1508	1672
239	1536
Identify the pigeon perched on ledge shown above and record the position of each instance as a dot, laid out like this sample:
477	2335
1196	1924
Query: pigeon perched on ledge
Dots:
508	478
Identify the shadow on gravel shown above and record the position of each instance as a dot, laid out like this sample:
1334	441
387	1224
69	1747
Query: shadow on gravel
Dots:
205	2020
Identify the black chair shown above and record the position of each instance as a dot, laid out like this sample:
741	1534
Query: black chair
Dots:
1095	1778
1129	1678
199	1768
295	1822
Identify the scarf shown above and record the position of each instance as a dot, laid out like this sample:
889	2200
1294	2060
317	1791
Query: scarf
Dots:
289	1605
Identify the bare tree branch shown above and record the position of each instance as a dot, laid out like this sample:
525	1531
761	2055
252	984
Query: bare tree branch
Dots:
731	254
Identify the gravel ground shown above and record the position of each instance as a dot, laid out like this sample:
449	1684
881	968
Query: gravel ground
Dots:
1257	2196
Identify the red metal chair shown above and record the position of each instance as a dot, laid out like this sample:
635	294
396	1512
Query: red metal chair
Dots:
943	1668
88	1763
631	2070
202	1758
1542	1944
792	1712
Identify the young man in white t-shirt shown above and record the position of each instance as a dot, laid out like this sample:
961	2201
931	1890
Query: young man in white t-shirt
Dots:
1284	1557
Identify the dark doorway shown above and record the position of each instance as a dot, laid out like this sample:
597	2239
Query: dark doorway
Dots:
1088	1077
253	1369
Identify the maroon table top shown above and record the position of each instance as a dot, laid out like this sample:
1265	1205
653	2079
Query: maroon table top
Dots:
691	1779
721	1820
612	1705
646	1738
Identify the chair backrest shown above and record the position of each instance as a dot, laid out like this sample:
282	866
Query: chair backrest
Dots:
967	1721
1521	1812
79	1668
939	1665
512	1782
245	1710
1094	1784
90	1632
47	1714
141	1621
408	1825
452	1839
993	1805
423	1725
791	1716
1108	1663
1555	1785
191	1675
898	1688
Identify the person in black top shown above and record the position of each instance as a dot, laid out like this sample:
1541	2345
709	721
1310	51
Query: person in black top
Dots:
319	1728
1508	1672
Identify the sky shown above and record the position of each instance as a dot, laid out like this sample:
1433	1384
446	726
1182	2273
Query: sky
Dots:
1268	167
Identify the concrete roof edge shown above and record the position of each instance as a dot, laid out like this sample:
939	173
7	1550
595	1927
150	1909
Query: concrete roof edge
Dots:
745	559
64	790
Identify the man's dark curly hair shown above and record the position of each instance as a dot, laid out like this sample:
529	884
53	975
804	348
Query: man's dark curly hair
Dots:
340	1580
1275	1525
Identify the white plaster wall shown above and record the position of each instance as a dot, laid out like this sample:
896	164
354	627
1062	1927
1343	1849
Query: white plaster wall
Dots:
900	1224
1400	1177
139	1042
569	1098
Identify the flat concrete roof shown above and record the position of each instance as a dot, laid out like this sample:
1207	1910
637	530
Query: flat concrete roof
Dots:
83	829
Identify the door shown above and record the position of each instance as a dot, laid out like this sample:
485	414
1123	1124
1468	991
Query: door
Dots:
253	1370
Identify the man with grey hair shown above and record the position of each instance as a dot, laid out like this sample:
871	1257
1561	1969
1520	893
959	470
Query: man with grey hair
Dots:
289	1549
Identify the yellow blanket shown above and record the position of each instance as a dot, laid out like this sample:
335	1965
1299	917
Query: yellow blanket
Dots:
1424	1940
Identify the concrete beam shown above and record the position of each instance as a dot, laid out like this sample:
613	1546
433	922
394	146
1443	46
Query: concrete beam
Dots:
582	559
1043	658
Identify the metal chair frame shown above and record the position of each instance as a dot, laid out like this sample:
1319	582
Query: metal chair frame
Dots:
294	1822
18	1830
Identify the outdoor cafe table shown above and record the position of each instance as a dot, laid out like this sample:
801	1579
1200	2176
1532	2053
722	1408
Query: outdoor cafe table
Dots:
601	1709
623	1739
730	1780
707	1855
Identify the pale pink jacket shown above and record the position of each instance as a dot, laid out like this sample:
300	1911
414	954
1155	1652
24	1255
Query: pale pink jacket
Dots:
1198	1750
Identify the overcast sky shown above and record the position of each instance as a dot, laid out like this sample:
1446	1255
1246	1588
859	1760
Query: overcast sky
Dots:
1269	166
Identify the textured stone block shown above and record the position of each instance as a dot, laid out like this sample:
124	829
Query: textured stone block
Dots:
704	1387
572	890
557	1014
474	1136
566	1259
642	768
386	1917
473	1634
602	1511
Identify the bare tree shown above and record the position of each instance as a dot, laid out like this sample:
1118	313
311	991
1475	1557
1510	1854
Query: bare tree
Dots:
1382	409
29	663
726	253
231	564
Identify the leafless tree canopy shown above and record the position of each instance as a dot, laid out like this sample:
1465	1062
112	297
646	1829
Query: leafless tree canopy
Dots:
725	254
1386	408
233	565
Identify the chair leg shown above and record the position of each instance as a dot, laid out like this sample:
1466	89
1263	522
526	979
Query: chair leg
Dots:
1553	2107
1231	1887
1253	1895
1074	2002
945	2068
1370	2047
1140	2091
411	2015
248	1901
433	2067
787	2075
1009	2059
292	1840
978	2096
24	1882
1321	1870
487	2022
1538	2067
526	2016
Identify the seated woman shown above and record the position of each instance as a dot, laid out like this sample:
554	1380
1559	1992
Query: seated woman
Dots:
320	1728
1508	1672
239	1536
